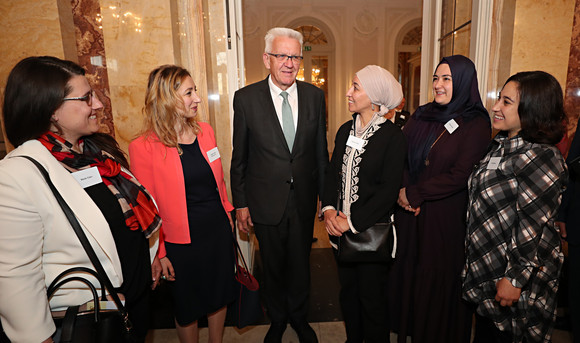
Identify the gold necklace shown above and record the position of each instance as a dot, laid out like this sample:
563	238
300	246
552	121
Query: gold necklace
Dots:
427	159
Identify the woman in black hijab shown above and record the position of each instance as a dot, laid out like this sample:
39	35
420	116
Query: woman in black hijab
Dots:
446	138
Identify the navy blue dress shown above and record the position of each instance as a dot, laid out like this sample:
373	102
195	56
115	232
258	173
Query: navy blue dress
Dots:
204	269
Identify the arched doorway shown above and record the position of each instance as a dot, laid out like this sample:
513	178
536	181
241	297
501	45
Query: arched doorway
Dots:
316	52
409	62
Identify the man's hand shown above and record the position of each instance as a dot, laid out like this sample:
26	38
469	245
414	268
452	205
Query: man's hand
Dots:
243	219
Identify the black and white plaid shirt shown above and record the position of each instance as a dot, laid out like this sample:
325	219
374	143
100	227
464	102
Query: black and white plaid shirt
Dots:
514	195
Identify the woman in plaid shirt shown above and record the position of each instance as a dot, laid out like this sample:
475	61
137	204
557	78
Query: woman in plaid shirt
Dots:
512	246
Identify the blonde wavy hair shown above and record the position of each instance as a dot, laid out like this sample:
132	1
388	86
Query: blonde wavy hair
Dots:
164	106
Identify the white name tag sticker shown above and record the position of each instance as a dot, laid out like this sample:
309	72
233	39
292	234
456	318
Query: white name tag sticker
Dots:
355	142
213	154
104	305
451	126
493	163
88	177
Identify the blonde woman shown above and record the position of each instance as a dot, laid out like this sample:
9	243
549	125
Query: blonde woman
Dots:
177	159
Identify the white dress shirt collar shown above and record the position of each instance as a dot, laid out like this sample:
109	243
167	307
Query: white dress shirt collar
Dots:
277	100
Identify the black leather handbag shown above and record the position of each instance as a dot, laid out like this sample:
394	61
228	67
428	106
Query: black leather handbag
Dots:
98	325
375	244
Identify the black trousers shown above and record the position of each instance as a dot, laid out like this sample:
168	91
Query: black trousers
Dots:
285	251
363	300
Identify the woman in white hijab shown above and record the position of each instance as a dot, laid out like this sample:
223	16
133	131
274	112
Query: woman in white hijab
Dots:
363	179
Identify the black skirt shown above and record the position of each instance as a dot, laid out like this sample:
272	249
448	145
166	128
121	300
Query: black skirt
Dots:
204	269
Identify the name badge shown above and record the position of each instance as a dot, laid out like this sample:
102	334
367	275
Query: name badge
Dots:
451	126
355	142
88	177
213	154
493	163
104	305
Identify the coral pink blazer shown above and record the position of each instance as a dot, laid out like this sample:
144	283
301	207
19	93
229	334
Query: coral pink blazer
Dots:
159	169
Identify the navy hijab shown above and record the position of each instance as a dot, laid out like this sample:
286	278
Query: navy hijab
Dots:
465	103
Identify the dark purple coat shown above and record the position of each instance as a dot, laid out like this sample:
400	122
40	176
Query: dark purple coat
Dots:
425	284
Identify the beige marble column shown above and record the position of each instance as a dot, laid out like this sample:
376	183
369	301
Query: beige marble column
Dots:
192	48
29	28
216	49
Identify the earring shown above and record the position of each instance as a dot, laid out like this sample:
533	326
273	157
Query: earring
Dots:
373	107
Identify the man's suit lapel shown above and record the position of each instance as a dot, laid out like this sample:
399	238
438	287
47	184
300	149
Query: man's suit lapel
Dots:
270	115
302	113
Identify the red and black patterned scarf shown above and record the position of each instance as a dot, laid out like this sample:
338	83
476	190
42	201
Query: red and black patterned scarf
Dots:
137	205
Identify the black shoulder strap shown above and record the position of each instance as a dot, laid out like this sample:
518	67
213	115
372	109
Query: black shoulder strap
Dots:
84	241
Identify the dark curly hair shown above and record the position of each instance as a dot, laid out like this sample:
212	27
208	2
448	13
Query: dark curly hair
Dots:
541	107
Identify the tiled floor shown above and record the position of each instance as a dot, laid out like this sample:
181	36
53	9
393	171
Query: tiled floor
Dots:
332	332
327	332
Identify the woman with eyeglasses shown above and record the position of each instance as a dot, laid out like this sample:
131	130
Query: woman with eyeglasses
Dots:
51	114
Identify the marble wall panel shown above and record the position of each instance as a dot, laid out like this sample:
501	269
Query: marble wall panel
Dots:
217	79
90	53
501	49
138	37
541	38
128	102
28	28
572	93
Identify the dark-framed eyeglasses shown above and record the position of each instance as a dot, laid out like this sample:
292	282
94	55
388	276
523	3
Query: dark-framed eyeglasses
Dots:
282	58
88	98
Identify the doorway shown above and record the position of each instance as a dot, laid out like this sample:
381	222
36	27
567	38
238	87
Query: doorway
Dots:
314	66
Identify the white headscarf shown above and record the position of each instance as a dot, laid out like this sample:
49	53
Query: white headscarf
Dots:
381	87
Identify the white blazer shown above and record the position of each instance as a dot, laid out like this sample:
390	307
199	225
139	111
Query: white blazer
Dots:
37	242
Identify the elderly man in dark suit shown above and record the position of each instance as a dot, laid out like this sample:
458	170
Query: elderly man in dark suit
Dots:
278	163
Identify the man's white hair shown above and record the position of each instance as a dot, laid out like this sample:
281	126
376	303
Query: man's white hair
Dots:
281	32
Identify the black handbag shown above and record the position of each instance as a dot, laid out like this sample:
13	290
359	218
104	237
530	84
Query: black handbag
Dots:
247	308
98	325
378	243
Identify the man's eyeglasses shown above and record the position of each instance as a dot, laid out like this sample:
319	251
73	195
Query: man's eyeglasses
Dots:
88	98
283	58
